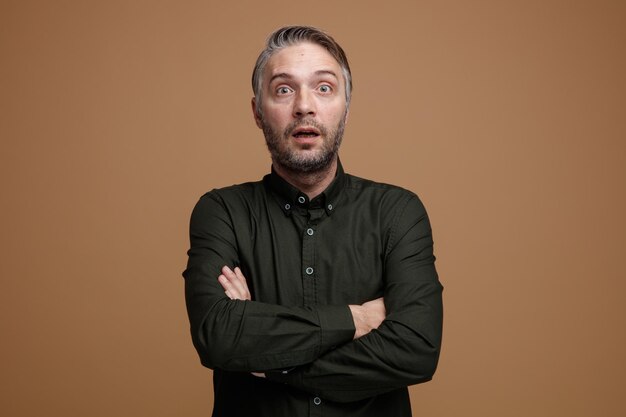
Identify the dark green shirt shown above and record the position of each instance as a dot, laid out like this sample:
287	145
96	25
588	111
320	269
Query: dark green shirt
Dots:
305	262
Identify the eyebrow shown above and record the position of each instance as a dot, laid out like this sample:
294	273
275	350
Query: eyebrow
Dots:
289	76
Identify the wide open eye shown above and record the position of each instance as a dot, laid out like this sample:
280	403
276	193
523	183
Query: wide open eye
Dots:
325	88
283	90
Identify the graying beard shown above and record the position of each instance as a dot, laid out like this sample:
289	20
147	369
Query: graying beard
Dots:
303	165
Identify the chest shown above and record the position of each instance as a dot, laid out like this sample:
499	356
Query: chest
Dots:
311	258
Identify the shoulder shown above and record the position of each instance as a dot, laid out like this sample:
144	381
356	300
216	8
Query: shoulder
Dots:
231	198
234	193
386	195
397	209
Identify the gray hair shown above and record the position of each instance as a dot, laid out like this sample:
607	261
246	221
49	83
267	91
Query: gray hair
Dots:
293	35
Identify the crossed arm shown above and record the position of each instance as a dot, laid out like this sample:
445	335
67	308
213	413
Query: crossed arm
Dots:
339	353
367	316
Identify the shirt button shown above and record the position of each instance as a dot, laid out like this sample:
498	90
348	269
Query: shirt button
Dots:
301	199
309	232
330	207
309	271
287	206
317	400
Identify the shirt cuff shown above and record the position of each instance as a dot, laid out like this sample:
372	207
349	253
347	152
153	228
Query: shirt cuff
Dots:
337	326
285	376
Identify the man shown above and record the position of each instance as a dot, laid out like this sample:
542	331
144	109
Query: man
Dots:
311	292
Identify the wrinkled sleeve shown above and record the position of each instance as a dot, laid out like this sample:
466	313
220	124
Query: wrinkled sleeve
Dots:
404	350
240	335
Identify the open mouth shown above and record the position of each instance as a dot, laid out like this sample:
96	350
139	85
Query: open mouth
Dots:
305	132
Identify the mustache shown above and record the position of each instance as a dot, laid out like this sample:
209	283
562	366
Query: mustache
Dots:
305	122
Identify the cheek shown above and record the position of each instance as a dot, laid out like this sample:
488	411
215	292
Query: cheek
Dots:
275	116
335	117
274	122
335	111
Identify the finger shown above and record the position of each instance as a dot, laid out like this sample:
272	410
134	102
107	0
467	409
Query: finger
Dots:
230	290
240	276
239	281
243	282
240	288
225	283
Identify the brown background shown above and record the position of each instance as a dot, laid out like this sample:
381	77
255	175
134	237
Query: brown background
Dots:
506	117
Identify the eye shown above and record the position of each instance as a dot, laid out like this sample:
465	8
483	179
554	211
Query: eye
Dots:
325	88
283	90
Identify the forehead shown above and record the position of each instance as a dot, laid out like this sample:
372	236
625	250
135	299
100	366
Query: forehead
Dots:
300	60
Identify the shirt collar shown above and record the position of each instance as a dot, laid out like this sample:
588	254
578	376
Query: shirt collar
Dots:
289	197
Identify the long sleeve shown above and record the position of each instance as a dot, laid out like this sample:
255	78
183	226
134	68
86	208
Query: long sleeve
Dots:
404	350
248	335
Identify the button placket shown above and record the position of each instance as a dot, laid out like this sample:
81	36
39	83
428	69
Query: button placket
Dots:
308	241
315	408
308	265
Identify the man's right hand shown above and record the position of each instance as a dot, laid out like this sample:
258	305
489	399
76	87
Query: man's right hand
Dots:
368	316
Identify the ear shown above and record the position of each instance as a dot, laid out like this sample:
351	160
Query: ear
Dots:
255	113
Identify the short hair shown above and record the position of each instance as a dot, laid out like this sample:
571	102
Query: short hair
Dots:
293	35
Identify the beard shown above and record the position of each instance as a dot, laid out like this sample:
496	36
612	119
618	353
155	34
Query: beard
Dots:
297	160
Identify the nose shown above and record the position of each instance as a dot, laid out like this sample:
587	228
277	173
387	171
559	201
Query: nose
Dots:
304	104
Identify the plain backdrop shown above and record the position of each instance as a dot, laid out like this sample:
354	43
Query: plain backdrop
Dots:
508	118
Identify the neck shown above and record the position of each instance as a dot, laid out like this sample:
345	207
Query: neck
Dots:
310	183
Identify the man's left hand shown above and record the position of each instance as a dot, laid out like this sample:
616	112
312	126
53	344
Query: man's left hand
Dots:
236	288
234	284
